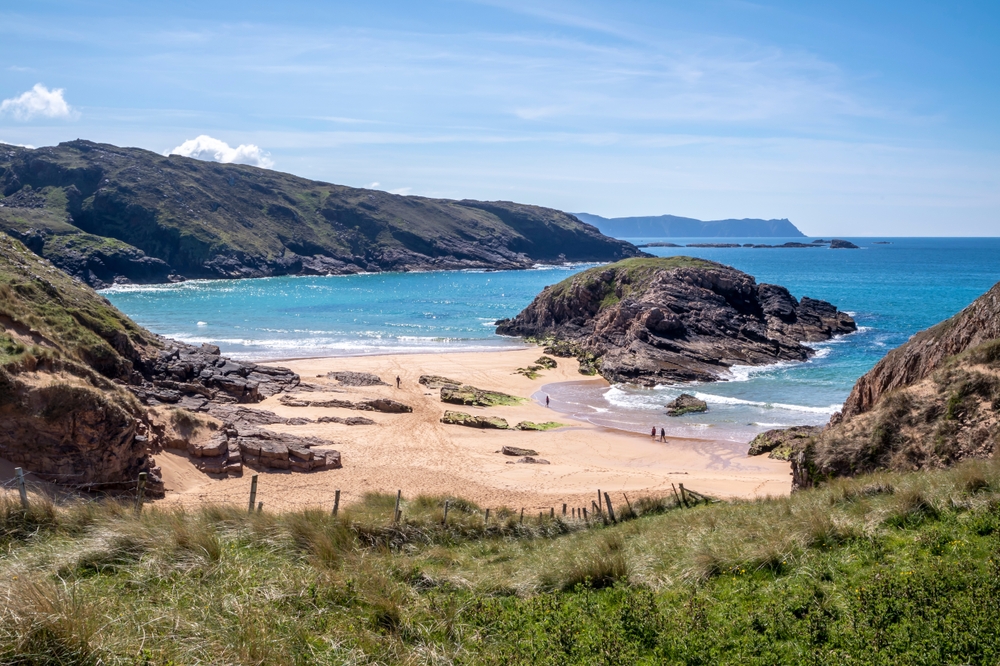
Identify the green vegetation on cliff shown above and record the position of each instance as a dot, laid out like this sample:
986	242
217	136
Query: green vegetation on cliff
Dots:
632	274
45	314
177	215
890	569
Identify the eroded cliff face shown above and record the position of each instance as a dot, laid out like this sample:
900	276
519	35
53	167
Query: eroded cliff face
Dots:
674	319
931	402
77	376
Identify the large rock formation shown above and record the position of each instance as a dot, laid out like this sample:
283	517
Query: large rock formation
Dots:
674	319
76	376
929	403
107	214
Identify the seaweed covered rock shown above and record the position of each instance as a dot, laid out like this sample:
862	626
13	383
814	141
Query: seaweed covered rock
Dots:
686	404
780	443
475	397
463	419
673	319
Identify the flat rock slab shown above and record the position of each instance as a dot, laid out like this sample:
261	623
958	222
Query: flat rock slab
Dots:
515	451
348	378
437	382
529	460
350	420
375	405
686	404
475	397
463	419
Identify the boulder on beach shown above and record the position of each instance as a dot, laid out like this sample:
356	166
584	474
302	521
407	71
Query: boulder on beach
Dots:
463	419
780	443
348	378
474	397
517	451
686	404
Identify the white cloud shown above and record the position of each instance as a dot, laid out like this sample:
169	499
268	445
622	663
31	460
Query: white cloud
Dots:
373	186
205	147
39	101
405	191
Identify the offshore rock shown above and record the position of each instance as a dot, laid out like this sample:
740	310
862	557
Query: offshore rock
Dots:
686	404
674	319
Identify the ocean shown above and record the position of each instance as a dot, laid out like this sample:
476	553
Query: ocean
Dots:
893	287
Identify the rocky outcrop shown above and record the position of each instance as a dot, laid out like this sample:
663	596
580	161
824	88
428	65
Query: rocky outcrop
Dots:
673	319
929	403
437	382
195	378
229	450
517	452
463	419
686	404
348	378
474	397
111	215
782	442
372	405
838	244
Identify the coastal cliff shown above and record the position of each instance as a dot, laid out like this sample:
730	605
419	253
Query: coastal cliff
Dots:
109	215
929	403
77	379
674	319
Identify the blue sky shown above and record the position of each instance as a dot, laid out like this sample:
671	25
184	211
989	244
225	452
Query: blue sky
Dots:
850	118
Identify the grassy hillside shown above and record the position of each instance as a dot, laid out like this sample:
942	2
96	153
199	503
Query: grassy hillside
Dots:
143	216
890	569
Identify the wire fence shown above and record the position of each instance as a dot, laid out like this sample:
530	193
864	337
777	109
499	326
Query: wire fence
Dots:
255	496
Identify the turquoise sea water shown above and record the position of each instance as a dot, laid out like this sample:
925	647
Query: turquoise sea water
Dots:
893	291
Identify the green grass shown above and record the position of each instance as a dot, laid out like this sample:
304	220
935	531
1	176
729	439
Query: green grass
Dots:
889	569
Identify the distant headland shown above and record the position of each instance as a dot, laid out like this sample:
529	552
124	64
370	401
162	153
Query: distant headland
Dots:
672	226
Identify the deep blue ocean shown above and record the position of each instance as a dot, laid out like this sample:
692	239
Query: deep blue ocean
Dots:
892	290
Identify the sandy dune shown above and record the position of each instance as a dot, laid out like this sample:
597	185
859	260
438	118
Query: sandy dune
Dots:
419	455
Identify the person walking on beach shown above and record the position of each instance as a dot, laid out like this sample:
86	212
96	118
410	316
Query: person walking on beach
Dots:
397	381
653	433
546	401
663	435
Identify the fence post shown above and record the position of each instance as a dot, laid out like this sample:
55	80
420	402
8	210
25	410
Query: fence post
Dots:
260	507
20	486
676	496
683	494
522	515
486	521
611	511
564	508
253	493
395	513
447	503
336	502
599	500
552	511
140	489
585	518
630	509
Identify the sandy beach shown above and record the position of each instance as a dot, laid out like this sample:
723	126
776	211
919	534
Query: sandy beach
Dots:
416	453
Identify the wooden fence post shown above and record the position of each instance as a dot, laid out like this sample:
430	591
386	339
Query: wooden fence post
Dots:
260	507
611	510
253	493
599	500
140	489
564	508
630	509
447	503
395	512
486	521
676	496
20	486
336	502
683	494
522	515
552	512
585	518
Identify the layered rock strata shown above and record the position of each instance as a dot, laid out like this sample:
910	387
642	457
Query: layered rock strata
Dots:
674	319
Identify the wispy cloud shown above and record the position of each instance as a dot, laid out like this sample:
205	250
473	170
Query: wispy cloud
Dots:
211	149
37	102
